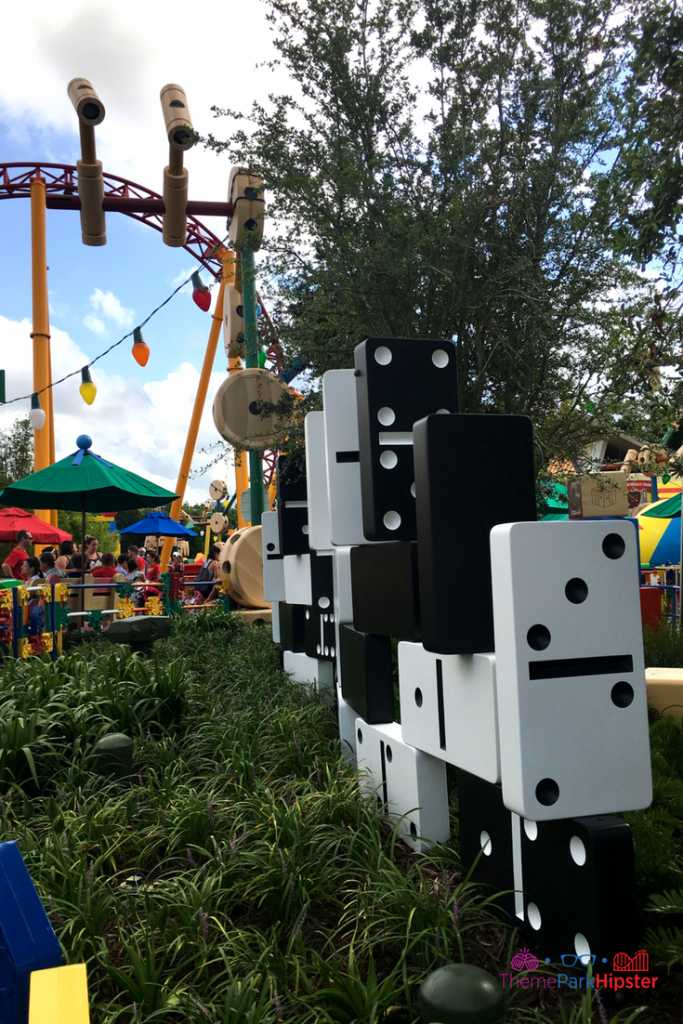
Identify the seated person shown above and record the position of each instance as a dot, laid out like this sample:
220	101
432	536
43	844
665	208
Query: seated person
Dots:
106	571
208	591
31	570
153	571
74	573
136	575
48	568
122	564
134	552
92	557
66	550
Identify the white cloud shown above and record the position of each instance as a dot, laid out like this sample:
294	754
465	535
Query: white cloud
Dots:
140	427
113	47
94	324
110	307
182	276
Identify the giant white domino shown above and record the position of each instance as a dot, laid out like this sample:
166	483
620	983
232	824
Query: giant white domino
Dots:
412	784
448	707
572	708
340	409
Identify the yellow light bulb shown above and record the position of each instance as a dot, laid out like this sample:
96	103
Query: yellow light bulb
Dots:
88	392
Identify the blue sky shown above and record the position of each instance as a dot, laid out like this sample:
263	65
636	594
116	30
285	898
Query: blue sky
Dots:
97	294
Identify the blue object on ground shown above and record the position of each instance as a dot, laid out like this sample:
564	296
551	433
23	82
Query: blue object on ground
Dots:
27	940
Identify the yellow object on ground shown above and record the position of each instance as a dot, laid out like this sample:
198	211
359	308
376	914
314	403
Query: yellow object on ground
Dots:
665	690
59	996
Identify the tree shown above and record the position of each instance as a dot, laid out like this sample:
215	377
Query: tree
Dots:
648	171
71	522
442	175
16	452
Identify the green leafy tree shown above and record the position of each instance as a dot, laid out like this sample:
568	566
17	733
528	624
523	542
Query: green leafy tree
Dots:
441	174
71	522
16	452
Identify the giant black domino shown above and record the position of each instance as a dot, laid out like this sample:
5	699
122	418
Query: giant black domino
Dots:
578	881
366	674
397	383
454	561
384	585
292	507
486	840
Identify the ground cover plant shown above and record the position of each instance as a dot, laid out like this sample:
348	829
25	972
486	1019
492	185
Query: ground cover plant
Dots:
238	876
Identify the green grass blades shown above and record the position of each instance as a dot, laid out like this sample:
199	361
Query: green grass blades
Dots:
239	876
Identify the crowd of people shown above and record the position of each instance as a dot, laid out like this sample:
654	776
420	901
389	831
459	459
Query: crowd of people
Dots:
137	566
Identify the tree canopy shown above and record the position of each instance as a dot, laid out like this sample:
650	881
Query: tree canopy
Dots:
446	172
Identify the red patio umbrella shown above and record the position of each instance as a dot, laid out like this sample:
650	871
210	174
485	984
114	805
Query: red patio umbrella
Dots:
14	519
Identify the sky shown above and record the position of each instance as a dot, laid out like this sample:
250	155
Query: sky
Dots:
97	294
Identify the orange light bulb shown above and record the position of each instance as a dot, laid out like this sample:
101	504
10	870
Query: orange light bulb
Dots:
140	352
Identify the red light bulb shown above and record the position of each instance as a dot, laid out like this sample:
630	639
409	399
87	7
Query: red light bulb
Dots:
200	294
202	297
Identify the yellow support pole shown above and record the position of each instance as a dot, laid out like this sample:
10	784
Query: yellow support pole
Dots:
54	514
41	328
199	402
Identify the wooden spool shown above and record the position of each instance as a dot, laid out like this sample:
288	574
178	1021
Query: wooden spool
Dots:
241	563
237	408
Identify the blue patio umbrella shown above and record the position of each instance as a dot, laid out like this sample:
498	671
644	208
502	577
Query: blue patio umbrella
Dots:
159	524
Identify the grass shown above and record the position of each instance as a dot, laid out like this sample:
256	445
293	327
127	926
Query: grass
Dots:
239	877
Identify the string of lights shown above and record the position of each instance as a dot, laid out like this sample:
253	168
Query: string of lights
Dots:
140	350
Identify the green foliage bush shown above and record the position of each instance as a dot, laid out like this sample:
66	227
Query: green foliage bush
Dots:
238	876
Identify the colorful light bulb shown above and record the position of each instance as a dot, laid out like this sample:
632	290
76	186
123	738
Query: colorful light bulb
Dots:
200	293
87	389
36	414
140	349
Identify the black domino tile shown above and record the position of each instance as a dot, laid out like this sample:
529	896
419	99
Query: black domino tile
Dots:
454	555
320	629
292	627
481	810
366	674
411	380
292	518
591	894
385	592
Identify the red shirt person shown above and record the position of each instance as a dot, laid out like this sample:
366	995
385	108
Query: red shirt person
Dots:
105	571
134	552
12	565
153	572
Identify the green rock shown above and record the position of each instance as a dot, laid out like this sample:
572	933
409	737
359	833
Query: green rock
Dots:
461	994
139	632
115	755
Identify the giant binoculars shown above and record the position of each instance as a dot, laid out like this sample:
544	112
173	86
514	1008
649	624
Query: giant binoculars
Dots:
180	137
90	110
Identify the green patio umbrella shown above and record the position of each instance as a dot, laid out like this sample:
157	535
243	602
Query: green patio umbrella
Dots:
84	482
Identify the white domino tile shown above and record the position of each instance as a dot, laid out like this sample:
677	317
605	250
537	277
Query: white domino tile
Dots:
411	784
448	707
572	709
